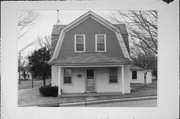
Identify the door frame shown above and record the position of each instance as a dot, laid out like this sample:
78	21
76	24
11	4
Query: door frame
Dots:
87	79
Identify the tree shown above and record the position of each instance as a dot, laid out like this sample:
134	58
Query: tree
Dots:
24	70
142	29
26	18
38	63
44	42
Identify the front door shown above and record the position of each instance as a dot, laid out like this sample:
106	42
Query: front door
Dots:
90	82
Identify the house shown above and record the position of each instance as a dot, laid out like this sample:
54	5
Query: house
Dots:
140	75
28	75
90	55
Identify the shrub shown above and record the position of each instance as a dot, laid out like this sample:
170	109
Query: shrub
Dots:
49	91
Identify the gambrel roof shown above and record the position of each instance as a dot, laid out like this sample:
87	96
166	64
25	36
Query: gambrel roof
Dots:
89	59
63	29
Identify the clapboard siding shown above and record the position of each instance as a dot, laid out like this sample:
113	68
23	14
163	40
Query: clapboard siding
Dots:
90	27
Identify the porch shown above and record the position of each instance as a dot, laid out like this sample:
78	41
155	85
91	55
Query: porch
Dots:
91	79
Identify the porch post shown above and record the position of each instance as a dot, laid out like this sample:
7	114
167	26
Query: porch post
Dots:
60	77
122	72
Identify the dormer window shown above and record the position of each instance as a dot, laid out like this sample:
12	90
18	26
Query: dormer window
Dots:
100	43
79	43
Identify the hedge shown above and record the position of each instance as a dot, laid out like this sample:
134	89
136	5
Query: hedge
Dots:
48	91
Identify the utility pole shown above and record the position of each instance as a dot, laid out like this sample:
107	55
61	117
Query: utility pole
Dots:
19	61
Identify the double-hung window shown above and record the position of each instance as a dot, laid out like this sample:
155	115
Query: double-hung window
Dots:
67	76
79	43
134	74
113	75
100	43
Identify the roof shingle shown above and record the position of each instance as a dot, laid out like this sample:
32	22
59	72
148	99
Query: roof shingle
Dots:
90	59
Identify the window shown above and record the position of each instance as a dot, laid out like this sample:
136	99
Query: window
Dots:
79	43
100	43
113	75
67	76
134	74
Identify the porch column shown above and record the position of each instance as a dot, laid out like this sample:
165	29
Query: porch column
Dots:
122	74
60	78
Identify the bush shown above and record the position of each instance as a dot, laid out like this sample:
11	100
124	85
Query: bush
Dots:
49	91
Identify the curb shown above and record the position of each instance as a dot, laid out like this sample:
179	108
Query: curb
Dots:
108	101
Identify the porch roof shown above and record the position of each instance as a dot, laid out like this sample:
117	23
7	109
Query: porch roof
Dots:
87	59
136	68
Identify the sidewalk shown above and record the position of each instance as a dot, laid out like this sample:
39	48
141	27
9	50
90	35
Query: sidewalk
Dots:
98	102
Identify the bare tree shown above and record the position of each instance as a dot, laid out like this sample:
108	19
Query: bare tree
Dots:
142	29
26	18
44	42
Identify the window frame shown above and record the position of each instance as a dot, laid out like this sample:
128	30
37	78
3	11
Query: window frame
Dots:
84	43
96	49
67	77
110	75
133	75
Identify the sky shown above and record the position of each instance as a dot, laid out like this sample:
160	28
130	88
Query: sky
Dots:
44	24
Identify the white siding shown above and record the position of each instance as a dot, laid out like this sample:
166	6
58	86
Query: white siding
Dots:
127	78
101	78
54	75
140	77
78	84
102	81
149	77
60	76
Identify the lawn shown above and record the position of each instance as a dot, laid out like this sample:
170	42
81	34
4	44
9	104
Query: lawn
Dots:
28	96
27	84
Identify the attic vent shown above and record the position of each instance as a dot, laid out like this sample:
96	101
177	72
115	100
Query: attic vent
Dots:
58	21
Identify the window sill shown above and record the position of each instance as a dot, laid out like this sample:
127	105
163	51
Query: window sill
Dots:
79	51
114	83
100	51
68	84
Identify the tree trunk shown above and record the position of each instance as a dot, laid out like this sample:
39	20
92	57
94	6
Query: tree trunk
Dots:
32	83
44	81
145	82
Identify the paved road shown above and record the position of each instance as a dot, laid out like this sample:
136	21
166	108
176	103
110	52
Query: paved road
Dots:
140	103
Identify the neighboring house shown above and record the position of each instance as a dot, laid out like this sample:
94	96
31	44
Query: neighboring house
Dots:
140	75
90	55
28	75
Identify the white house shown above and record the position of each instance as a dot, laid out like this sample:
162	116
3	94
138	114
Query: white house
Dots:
140	75
90	55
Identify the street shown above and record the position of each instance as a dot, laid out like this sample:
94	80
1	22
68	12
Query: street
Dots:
140	103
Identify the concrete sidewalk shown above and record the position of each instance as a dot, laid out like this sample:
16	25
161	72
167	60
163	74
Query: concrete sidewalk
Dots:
98	102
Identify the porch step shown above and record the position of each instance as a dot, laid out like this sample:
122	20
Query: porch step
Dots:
91	98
